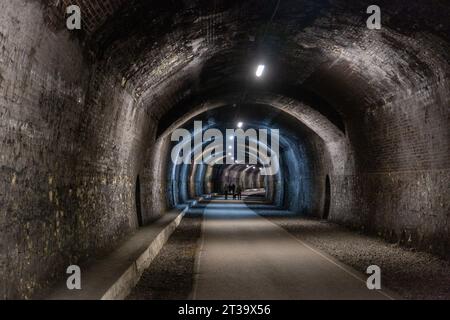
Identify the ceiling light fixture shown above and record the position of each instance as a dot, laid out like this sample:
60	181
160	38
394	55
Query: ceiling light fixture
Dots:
260	70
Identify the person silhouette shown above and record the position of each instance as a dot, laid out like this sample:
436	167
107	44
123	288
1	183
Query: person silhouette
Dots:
239	192
233	190
225	190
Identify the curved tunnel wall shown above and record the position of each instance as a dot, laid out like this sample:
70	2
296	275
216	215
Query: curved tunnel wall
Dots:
79	118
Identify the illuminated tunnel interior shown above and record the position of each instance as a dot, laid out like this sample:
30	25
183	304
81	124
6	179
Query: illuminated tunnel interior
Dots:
90	119
298	184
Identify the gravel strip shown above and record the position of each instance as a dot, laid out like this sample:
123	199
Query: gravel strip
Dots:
413	275
171	274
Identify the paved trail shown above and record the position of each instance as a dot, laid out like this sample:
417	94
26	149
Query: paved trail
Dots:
244	256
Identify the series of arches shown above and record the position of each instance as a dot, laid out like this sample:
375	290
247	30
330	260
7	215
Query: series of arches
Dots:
295	186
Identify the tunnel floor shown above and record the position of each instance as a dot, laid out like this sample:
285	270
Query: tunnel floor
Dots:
250	250
244	256
410	273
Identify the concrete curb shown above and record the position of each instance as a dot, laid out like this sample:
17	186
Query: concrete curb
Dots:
129	279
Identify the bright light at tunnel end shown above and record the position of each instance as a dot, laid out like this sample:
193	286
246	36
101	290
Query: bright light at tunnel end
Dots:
260	70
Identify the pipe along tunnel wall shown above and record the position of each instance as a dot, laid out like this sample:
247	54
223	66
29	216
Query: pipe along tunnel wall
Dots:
83	113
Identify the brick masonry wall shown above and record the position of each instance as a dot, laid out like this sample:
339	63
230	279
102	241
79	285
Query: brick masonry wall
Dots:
155	181
42	89
400	189
72	139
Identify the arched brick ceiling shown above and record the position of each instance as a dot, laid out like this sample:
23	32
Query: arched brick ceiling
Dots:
167	51
95	12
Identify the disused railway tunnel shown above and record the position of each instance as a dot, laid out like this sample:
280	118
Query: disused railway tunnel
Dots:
86	119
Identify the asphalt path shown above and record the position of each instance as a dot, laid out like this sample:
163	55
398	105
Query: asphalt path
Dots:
244	256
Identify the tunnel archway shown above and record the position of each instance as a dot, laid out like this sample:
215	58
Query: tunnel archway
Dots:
296	155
